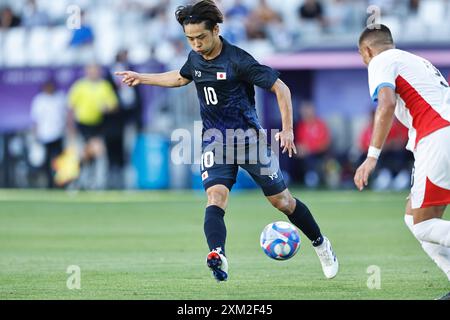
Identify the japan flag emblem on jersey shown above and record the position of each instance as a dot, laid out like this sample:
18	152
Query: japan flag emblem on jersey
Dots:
221	76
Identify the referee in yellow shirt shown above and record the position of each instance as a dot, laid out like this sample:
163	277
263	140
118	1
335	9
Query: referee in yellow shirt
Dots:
89	99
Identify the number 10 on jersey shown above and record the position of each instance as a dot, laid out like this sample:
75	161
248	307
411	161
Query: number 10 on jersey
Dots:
210	96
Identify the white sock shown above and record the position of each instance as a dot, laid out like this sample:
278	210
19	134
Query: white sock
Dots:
433	230
439	254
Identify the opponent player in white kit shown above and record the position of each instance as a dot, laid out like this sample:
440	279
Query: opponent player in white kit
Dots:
416	92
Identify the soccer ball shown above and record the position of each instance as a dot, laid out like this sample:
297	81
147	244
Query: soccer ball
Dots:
280	240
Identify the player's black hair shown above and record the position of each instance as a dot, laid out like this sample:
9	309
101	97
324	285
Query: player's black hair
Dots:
204	11
377	34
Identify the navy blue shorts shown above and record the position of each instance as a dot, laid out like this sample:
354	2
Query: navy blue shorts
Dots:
264	170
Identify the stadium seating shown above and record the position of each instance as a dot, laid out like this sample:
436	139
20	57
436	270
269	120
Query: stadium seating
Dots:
14	44
134	29
36	47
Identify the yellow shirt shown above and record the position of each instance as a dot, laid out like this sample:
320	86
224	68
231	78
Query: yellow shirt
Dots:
90	100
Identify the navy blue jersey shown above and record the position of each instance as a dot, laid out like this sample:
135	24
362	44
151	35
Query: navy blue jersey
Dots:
225	87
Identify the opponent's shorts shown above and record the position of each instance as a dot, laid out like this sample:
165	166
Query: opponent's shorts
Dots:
431	173
265	169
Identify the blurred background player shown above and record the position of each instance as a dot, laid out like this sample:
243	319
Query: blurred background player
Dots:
312	137
416	92
127	116
395	162
225	77
49	115
90	98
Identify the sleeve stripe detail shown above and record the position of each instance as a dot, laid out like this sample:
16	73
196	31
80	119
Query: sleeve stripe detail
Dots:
380	86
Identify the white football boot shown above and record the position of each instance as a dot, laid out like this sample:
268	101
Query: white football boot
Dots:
444	297
328	259
218	264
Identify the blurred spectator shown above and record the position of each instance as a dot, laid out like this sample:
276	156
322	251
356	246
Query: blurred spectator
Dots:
235	29
259	19
33	17
312	137
8	19
312	11
156	10
312	22
238	10
129	112
84	35
414	6
91	98
130	99
49	114
164	50
391	170
82	42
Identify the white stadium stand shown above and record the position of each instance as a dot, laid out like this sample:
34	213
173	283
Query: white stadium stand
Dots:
37	47
127	24
14	44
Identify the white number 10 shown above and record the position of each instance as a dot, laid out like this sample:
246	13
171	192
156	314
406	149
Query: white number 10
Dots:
210	96
207	160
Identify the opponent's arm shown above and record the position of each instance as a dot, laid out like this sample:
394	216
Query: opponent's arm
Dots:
286	136
171	79
384	117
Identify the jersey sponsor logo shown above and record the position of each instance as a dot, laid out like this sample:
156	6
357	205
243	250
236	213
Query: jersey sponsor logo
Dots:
205	175
221	76
198	74
273	176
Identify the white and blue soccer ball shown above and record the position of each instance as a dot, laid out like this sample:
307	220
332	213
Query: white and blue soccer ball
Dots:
280	240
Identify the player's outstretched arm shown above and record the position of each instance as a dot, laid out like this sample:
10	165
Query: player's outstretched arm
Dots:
384	117
286	136
171	79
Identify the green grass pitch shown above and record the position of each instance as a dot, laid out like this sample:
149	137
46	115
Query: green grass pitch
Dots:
150	245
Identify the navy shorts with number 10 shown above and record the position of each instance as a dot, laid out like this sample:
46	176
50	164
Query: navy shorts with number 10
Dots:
266	173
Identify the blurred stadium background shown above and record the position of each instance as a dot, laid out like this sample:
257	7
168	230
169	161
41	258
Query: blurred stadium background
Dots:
313	44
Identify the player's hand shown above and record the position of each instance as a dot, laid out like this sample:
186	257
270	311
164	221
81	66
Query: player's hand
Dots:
130	78
286	139
361	178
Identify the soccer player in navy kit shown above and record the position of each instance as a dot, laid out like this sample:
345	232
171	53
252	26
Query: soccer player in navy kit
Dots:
225	76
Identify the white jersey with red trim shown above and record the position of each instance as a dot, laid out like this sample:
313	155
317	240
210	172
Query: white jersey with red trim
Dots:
423	94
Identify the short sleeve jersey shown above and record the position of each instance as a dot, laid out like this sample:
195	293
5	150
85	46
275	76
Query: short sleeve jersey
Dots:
423	94
225	87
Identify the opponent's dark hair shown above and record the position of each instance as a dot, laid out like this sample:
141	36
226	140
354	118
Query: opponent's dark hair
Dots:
204	11
377	34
